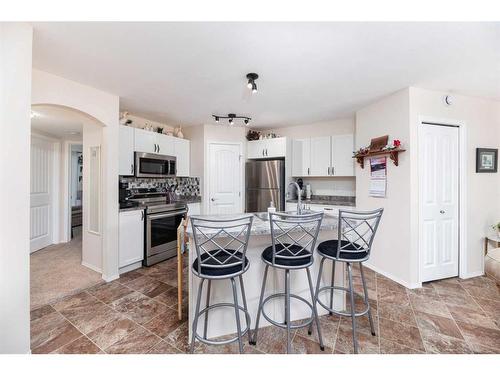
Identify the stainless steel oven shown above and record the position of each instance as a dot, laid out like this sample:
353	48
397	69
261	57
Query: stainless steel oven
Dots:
162	222
154	165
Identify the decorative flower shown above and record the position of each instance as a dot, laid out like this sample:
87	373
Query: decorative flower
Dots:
397	143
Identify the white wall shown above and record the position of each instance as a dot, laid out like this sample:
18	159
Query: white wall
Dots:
344	186
395	251
141	122
15	102
103	107
391	252
482	121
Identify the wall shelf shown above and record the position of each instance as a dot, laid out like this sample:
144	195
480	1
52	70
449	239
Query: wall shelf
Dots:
393	155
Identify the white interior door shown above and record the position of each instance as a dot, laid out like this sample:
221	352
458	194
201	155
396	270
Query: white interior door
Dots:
224	179
439	176
41	172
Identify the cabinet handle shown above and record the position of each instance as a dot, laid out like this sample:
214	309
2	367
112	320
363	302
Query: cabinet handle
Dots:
328	171
142	215
333	171
266	151
158	148
308	170
132	168
262	152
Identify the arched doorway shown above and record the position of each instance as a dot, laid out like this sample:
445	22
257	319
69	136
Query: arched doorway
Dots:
66	233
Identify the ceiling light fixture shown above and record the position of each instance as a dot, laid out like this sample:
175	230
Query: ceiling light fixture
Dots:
231	117
252	77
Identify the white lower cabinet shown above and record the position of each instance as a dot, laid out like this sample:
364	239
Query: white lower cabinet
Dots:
194	209
131	238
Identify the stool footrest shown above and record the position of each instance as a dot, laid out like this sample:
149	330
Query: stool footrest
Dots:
222	342
339	312
282	325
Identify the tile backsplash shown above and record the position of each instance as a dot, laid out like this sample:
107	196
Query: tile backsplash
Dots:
184	186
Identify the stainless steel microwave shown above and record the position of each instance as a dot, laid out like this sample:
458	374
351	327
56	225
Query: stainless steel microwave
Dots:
154	165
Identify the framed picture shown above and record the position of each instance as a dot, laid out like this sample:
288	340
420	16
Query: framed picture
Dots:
486	160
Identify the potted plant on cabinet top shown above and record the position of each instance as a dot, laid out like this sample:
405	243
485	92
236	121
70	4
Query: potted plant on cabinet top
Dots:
496	227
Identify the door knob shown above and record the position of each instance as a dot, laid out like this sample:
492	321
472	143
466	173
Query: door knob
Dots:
441	212
212	199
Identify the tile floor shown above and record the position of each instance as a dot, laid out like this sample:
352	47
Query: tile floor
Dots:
137	314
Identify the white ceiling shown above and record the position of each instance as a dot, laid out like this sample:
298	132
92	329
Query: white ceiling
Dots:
57	122
181	73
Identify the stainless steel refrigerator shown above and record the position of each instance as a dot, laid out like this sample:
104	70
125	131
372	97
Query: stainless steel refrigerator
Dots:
265	182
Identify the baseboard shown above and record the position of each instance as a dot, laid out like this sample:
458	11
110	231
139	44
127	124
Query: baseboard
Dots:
110	278
472	274
392	277
130	267
92	267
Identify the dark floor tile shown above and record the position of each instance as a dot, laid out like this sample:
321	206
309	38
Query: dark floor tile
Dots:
163	348
303	345
403	314
477	335
329	325
391	347
110	292
473	315
50	332
129	276
41	311
179	338
169	297
367	344
81	345
429	304
438	324
272	340
401	333
437	343
481	349
112	332
164	324
137	342
383	283
138	307
148	286
391	297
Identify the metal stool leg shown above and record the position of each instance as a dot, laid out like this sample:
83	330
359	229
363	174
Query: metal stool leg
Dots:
244	297
318	282
366	299
315	312
353	317
205	328
237	314
332	285
196	315
287	311
259	311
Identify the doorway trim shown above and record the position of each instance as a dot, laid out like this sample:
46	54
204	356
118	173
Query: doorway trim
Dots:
206	184
462	192
67	189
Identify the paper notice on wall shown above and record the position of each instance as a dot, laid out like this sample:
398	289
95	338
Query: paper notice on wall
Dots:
378	177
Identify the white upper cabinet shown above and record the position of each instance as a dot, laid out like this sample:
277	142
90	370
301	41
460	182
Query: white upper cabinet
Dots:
181	151
342	161
126	151
323	156
266	148
320	156
145	141
165	144
301	157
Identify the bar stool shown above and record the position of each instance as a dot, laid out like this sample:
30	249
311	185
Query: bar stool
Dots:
221	247
293	240
356	231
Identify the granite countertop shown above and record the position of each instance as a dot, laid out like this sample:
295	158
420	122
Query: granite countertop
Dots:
183	199
262	227
328	200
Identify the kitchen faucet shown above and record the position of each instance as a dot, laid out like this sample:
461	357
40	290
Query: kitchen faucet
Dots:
299	206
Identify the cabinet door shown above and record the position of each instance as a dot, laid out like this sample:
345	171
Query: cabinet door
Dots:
126	151
275	147
165	144
320	156
131	238
181	151
255	149
342	161
145	141
301	157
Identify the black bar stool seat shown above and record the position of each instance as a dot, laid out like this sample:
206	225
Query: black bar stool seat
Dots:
329	249
290	261
215	258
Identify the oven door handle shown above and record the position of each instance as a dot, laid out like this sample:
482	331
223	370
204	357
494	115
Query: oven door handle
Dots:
170	214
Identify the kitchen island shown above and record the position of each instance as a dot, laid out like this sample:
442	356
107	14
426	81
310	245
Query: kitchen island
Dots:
221	321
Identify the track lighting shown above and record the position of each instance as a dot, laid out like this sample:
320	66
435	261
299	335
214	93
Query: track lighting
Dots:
231	117
252	77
